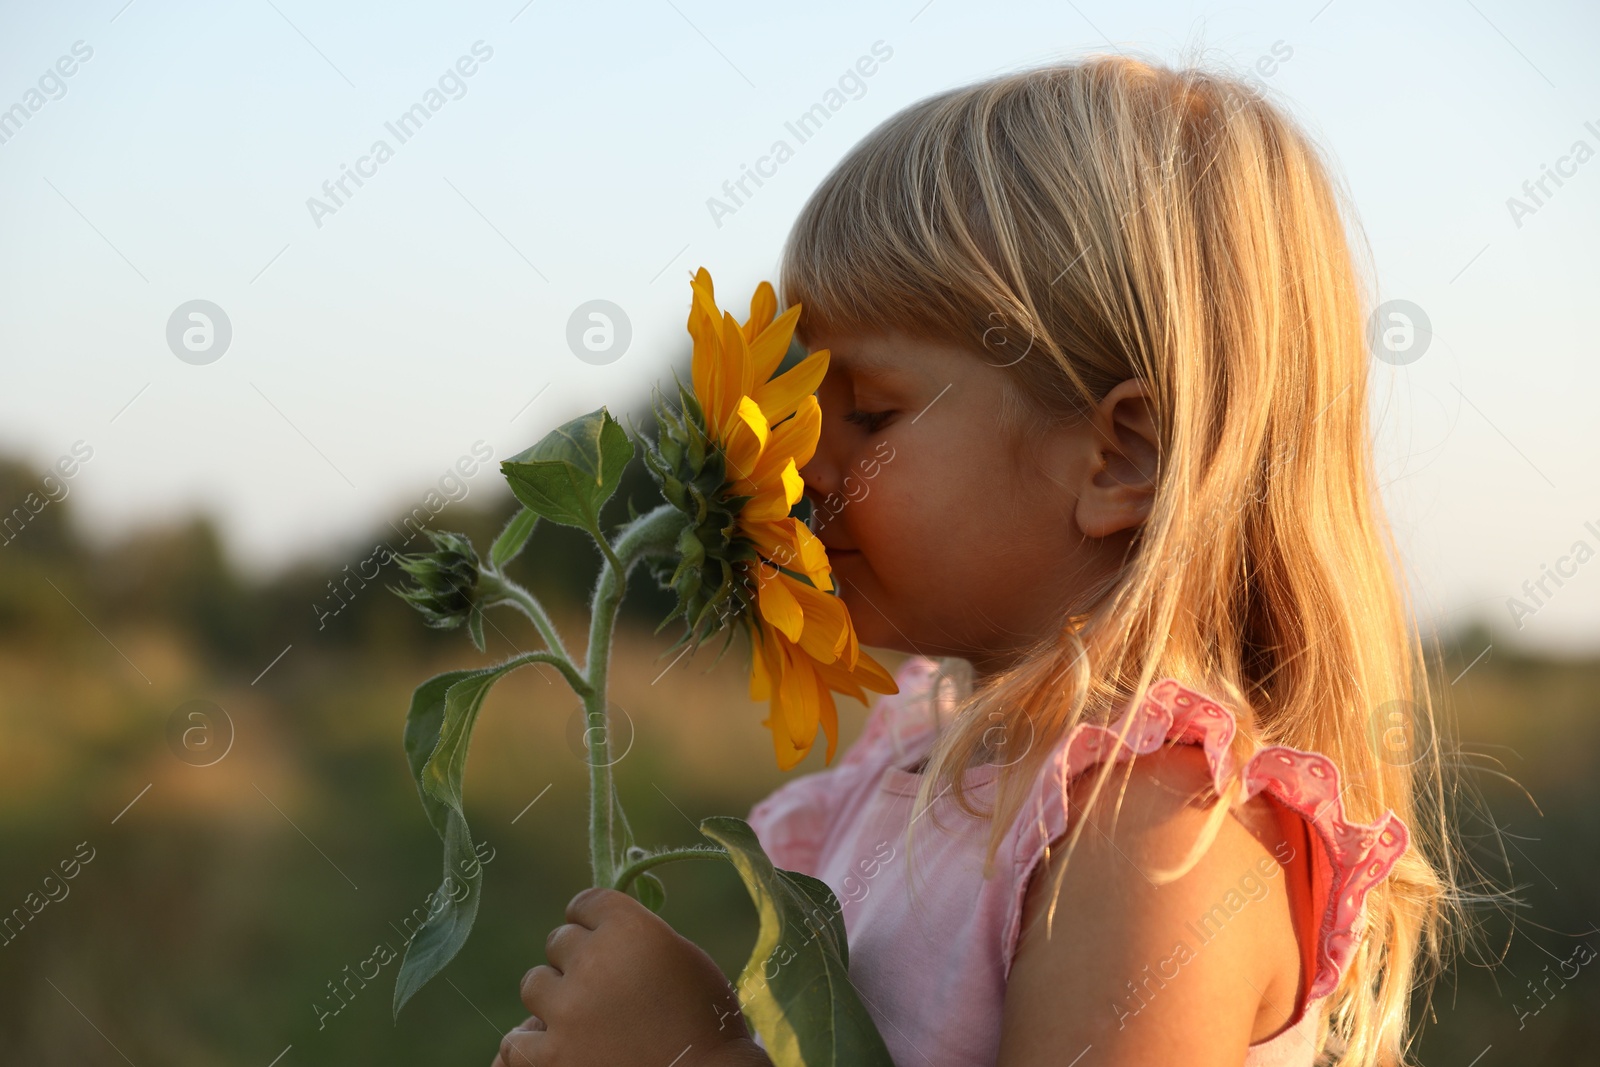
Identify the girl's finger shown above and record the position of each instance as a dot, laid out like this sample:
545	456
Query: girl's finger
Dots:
537	985
562	944
521	1048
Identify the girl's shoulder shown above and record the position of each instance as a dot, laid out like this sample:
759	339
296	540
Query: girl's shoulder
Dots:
1290	799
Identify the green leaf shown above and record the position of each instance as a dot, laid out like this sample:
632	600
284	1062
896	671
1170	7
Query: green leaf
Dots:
444	932
652	894
513	538
475	627
443	773
568	476
807	1013
439	725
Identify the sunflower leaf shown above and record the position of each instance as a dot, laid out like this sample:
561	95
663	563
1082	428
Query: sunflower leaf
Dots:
513	538
569	475
807	1012
652	894
439	725
441	936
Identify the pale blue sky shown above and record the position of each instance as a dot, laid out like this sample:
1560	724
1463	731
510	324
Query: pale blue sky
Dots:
369	353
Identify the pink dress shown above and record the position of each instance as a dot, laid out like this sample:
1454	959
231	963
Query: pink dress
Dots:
932	971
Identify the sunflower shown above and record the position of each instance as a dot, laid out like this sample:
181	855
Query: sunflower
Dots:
731	460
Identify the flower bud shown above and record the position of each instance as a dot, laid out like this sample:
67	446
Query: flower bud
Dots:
444	582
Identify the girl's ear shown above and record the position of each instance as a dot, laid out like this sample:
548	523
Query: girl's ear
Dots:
1121	485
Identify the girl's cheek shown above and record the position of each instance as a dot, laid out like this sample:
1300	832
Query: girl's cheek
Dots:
854	487
859	489
890	524
908	488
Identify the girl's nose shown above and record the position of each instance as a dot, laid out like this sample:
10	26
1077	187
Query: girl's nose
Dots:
820	474
821	481
814	490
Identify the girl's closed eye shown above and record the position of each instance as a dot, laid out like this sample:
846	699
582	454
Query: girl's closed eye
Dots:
871	421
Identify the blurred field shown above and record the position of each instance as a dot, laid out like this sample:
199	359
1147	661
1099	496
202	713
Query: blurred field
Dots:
217	908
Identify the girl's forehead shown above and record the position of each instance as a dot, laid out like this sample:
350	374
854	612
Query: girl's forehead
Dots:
862	363
896	360
882	355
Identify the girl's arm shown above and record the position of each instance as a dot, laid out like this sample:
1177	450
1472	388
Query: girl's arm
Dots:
1191	971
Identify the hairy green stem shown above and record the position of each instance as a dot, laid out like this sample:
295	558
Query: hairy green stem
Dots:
609	553
506	591
560	662
654	533
655	859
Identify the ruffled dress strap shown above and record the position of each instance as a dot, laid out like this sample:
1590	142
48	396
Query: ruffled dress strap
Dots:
1346	858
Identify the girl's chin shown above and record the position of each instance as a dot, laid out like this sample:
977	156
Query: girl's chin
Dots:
871	627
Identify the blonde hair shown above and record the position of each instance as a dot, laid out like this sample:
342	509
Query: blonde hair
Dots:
1111	218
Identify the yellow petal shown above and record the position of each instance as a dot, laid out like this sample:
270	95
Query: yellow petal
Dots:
852	651
705	302
870	674
749	412
813	562
793	485
788	755
736	356
784	717
772	343
803	699
763	305
790	544
746	439
704	364
867	674
772	499
794	438
760	676
830	722
827	621
775	540
780	397
779	606
767	505
721	366
799	704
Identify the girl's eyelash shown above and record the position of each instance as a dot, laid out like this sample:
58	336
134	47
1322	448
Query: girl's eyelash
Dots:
870	420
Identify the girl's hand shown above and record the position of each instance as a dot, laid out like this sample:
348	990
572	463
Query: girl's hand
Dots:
623	988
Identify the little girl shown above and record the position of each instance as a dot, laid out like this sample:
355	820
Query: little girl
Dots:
1143	796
